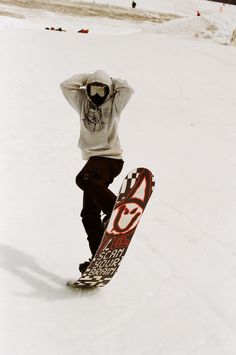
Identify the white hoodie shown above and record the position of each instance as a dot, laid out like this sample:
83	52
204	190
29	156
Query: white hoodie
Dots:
99	125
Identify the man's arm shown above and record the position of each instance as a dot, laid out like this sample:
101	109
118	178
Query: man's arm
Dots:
72	91
123	92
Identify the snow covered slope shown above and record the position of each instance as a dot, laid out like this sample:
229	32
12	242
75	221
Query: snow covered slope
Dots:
175	292
176	18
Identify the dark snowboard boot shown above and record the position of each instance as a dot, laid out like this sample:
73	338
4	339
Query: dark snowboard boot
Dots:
83	266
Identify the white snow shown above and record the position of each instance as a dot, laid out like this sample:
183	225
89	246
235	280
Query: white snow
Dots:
175	292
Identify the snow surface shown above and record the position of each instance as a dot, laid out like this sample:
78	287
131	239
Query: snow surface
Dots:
175	292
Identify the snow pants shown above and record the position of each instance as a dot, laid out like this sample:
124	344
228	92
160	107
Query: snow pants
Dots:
94	179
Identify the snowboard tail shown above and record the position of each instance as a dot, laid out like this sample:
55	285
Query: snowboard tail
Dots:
132	199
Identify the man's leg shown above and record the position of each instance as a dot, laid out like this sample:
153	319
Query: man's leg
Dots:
91	219
94	180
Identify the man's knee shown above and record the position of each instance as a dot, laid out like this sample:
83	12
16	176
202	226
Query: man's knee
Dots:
83	180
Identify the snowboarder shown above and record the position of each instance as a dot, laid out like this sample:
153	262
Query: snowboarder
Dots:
99	100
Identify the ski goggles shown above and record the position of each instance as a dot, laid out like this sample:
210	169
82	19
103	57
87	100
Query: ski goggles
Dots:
98	89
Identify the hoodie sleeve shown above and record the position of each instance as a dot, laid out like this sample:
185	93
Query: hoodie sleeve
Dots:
123	92
71	89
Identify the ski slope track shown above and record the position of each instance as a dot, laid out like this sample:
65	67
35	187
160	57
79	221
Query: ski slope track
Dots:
93	10
175	291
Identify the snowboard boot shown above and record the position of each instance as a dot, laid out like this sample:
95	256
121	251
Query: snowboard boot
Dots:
83	266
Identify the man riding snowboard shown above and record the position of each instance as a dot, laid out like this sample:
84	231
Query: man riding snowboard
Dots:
99	100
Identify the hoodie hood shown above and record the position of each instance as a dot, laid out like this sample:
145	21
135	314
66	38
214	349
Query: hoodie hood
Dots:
100	76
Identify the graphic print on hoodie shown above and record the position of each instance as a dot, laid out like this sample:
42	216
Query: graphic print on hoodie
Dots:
93	119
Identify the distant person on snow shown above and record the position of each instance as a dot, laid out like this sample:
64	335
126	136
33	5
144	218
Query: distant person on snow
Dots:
99	100
83	30
133	4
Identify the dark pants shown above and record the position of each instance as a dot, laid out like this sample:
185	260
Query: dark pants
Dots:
94	180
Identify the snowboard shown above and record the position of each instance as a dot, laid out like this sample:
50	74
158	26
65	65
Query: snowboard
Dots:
131	201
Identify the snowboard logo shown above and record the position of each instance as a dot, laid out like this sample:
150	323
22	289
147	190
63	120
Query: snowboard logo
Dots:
129	210
126	218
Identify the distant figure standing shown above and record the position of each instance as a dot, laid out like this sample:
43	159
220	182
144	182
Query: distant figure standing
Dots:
133	4
198	13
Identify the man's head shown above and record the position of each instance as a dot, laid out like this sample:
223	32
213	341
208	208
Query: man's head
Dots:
99	87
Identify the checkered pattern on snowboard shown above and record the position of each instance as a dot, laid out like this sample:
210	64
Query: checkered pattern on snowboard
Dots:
89	279
128	183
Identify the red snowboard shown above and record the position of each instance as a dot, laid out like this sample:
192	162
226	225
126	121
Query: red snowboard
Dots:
132	199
